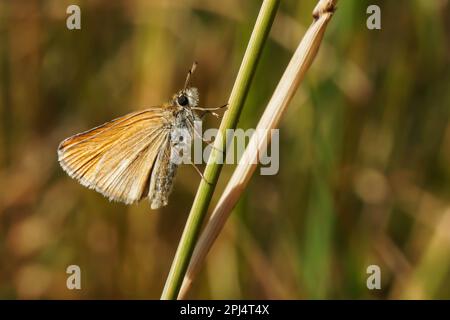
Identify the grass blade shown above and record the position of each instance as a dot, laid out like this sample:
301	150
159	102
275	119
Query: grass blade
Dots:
293	75
212	170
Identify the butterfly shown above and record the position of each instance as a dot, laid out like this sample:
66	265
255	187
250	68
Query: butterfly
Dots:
129	158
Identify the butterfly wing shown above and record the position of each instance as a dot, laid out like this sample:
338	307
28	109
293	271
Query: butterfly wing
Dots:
116	158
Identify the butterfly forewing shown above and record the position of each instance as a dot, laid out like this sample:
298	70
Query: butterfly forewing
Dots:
117	158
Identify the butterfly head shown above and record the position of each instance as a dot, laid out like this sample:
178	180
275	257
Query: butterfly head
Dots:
186	98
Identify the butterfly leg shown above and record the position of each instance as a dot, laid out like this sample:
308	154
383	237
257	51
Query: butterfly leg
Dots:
208	142
211	110
216	115
200	173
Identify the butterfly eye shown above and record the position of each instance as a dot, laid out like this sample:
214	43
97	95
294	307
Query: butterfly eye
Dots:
183	100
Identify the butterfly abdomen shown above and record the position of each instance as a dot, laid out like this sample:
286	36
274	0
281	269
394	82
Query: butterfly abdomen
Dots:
163	186
169	158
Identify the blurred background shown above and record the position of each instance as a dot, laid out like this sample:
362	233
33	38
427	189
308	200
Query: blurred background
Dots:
364	162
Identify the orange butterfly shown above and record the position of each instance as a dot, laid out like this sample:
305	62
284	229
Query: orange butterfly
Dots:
128	158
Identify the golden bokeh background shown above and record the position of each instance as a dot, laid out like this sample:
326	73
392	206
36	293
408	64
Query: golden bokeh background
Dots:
364	150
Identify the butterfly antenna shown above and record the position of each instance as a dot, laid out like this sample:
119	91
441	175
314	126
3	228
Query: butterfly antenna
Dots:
188	77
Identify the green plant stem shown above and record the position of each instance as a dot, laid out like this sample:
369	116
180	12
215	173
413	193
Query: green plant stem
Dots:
213	168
